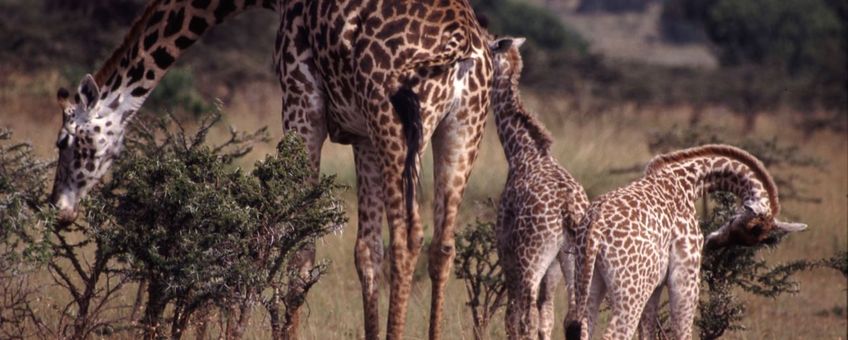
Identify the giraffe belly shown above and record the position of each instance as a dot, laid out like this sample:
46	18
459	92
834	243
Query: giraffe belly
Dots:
346	124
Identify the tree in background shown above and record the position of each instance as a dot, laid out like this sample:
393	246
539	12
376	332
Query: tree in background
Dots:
553	50
614	6
805	39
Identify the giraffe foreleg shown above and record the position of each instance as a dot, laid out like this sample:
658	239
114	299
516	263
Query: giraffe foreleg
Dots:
369	242
405	231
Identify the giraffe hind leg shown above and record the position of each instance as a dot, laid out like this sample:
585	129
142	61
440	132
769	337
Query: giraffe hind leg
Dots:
368	251
405	230
547	291
455	145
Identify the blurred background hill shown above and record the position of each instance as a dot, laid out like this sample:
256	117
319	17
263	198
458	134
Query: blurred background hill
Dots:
750	55
612	79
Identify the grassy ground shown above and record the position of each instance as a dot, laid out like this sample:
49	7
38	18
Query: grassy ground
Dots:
589	145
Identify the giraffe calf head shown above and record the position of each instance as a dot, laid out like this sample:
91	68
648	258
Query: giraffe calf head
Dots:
507	59
749	227
90	137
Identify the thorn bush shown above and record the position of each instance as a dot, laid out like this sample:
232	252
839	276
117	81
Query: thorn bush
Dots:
179	218
22	194
200	231
477	264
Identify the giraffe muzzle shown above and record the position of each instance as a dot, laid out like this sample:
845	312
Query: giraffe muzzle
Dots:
66	217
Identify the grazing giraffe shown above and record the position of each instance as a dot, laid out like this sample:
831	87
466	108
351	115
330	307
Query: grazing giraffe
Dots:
636	239
385	76
540	202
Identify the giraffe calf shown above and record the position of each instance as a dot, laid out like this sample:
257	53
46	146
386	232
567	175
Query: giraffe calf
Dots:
635	240
540	202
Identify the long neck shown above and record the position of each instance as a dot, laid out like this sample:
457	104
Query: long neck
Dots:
696	177
521	134
156	40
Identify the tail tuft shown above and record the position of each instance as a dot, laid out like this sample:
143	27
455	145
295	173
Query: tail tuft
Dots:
573	330
408	108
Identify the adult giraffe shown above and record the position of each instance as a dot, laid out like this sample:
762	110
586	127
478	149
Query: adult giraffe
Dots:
384	76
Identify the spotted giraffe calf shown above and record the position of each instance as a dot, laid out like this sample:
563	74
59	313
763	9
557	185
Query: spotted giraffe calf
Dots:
644	236
540	201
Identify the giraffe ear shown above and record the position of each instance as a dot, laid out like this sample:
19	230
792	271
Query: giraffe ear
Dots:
501	45
789	227
88	91
518	41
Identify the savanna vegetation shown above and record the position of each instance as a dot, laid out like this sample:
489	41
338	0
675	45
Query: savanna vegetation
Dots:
779	92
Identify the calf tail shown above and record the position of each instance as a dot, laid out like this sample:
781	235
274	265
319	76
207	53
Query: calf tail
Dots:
585	272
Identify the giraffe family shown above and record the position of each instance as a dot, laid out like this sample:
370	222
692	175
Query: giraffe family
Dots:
389	78
540	201
637	239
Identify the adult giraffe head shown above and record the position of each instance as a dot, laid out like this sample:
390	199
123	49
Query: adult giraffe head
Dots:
90	138
94	119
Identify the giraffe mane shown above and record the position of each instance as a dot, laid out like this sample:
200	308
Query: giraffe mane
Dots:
537	130
132	36
732	152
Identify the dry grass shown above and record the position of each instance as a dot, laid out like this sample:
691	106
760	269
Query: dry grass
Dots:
589	145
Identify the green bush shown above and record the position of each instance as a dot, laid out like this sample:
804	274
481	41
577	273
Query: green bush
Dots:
22	198
477	264
200	232
177	217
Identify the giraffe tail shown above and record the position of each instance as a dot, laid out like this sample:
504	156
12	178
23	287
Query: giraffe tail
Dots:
408	107
585	273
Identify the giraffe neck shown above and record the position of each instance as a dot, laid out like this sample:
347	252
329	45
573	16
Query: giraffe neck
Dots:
156	40
699	176
522	135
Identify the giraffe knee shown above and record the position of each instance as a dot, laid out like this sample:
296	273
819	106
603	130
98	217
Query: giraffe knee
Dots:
362	256
440	256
